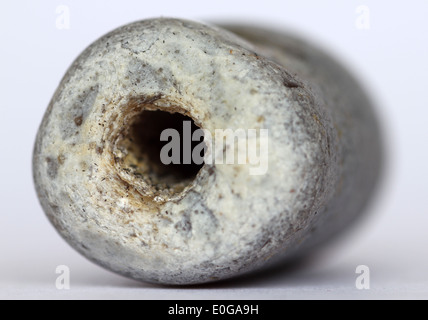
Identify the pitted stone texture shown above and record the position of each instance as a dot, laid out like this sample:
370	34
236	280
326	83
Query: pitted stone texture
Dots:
324	151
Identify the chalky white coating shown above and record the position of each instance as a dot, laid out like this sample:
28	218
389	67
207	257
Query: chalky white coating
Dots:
322	163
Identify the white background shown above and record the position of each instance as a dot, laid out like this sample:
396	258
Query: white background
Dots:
390	59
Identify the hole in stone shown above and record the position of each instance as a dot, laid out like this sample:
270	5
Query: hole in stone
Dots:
142	147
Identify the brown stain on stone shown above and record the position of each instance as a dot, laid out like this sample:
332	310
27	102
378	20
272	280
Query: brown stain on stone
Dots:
78	121
61	159
316	118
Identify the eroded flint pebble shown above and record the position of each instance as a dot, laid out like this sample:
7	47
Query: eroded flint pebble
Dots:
109	198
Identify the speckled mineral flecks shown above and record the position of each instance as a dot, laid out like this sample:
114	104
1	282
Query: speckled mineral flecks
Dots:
324	151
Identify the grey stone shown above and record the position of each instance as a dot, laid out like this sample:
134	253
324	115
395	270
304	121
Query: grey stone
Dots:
102	197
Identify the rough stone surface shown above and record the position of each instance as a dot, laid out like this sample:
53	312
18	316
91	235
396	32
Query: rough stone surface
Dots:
324	151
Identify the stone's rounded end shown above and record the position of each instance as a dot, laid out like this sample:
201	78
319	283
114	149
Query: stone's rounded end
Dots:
103	187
